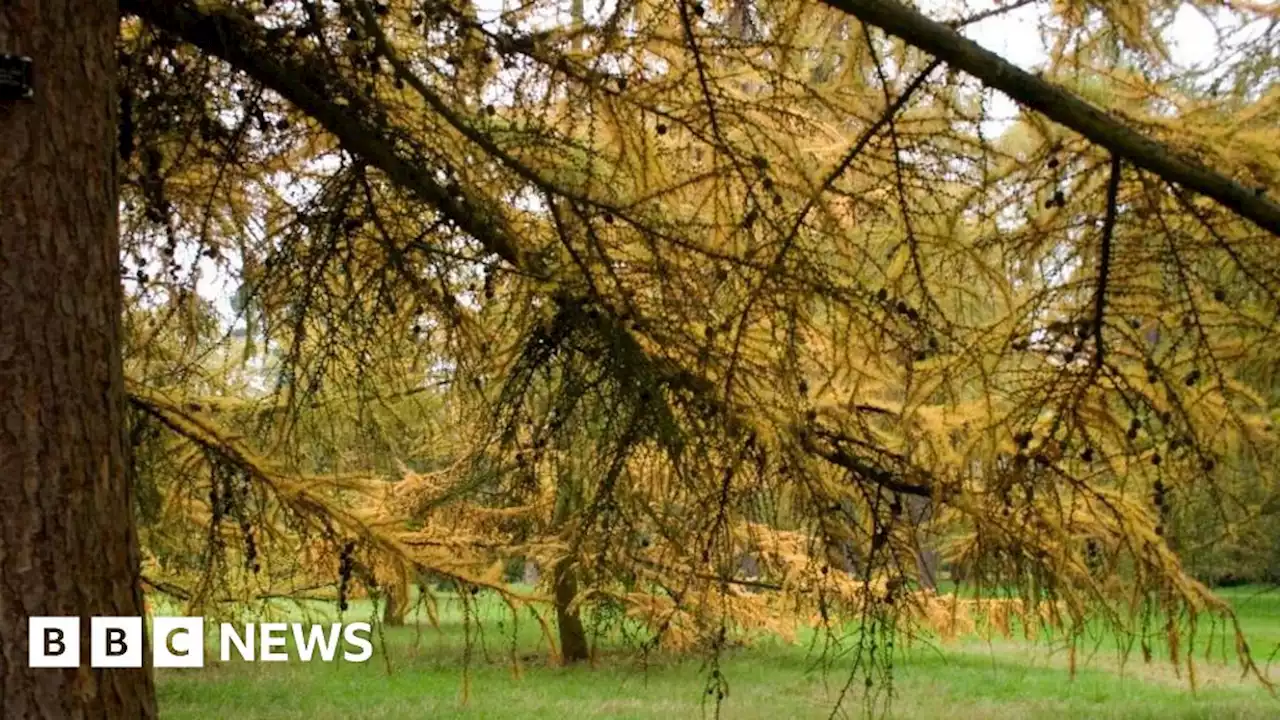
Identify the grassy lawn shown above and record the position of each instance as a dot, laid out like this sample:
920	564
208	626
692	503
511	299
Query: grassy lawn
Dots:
966	679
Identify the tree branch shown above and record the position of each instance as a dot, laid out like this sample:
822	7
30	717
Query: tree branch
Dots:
1104	260
1061	106
304	79
840	457
306	82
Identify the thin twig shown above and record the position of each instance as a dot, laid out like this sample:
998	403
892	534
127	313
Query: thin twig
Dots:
1104	259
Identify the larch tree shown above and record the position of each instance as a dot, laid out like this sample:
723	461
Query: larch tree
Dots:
67	539
703	286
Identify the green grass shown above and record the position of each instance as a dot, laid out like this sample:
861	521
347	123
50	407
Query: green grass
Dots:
775	681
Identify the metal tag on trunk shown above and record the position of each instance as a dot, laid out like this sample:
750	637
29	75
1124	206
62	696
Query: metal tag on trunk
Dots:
15	77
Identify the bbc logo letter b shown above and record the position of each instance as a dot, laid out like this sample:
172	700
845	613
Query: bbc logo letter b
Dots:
116	642
53	642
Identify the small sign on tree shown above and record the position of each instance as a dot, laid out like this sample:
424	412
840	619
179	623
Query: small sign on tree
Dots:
15	77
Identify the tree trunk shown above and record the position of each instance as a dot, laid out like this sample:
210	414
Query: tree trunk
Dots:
920	512
67	539
396	599
394	610
564	581
573	637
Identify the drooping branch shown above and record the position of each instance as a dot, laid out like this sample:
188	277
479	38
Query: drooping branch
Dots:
306	81
309	84
1061	106
302	493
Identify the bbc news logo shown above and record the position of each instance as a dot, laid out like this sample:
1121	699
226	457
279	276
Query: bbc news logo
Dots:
178	642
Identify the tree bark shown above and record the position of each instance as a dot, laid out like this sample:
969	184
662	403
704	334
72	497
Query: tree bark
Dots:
67	540
573	636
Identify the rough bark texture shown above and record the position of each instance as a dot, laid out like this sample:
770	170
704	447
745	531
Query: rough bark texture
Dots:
67	540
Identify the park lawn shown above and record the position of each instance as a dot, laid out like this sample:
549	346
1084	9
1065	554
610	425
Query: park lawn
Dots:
771	680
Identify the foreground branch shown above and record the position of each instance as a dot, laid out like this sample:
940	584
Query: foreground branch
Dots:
1061	106
305	81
